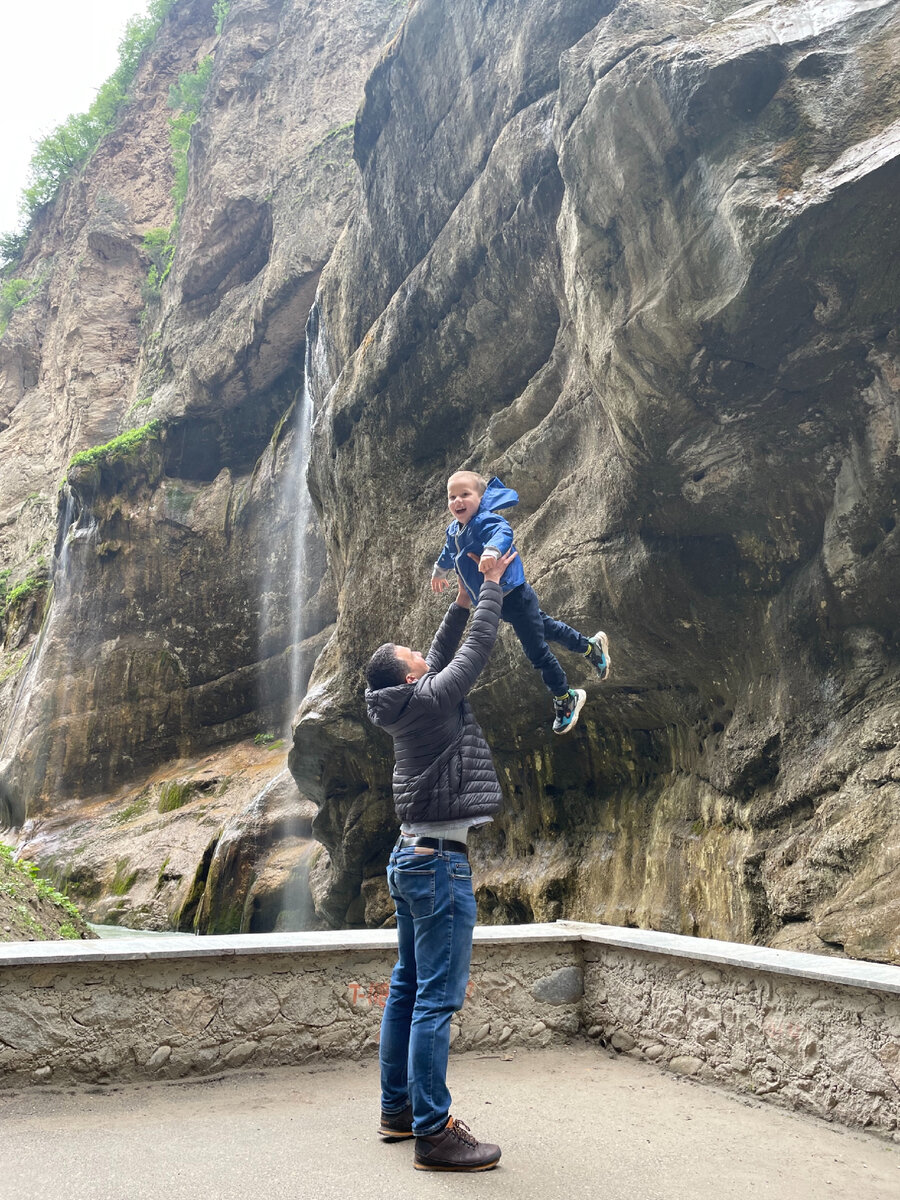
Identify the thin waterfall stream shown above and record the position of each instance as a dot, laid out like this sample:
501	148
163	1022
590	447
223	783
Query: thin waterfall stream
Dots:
18	778
273	829
295	481
283	571
257	877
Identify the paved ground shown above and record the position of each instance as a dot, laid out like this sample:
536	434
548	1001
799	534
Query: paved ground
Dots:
572	1123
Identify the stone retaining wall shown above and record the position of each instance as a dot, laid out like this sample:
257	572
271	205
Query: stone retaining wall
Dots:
817	1034
812	1033
174	1007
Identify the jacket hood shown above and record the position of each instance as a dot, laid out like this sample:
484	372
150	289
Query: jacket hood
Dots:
497	495
385	706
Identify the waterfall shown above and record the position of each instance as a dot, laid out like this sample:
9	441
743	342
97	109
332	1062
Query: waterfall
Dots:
296	483
19	759
273	829
283	575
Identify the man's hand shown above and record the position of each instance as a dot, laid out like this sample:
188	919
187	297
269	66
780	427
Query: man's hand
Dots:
496	566
463	599
439	585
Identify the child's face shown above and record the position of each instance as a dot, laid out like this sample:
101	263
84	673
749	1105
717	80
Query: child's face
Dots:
463	498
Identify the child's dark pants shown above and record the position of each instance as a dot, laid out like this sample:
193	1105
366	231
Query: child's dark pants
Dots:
535	629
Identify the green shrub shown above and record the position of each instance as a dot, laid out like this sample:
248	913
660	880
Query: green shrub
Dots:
220	12
186	96
57	156
13	294
22	591
12	247
43	887
121	447
159	246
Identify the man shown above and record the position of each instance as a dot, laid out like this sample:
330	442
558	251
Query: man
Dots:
444	784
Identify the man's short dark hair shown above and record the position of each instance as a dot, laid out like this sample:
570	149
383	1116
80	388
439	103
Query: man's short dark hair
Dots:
385	669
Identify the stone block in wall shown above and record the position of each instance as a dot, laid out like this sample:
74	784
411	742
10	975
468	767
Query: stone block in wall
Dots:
249	1005
565	985
515	990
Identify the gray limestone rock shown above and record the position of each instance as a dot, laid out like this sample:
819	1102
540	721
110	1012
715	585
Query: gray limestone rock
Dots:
649	289
171	629
565	986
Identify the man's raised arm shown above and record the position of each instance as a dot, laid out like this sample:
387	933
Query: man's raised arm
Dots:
447	639
451	683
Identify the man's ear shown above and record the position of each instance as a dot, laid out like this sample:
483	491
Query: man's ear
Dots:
411	679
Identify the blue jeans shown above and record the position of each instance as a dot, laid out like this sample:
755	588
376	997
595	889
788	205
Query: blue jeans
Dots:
535	629
435	918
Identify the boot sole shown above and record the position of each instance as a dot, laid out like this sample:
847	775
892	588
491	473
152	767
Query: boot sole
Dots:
395	1135
439	1167
579	705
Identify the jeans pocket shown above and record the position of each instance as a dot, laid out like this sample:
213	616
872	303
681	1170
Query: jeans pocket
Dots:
462	895
416	886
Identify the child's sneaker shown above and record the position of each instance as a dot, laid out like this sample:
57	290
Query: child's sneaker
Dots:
567	709
597	653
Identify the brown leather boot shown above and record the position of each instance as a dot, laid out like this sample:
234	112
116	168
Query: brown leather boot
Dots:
454	1148
395	1126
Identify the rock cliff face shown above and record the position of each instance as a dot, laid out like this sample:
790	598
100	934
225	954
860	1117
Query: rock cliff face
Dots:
172	628
636	259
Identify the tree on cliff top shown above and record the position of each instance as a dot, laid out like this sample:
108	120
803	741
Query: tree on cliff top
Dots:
62	151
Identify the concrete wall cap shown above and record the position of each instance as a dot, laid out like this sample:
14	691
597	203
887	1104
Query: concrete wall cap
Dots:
185	946
846	971
851	972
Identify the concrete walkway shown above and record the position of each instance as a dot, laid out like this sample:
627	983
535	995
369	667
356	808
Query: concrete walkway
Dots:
573	1123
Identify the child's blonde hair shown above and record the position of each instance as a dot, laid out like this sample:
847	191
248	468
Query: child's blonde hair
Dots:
478	481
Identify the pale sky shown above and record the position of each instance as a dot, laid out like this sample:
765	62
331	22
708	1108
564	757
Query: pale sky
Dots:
54	55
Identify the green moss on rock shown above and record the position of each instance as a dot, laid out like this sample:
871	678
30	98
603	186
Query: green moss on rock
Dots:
121	448
22	592
174	795
123	880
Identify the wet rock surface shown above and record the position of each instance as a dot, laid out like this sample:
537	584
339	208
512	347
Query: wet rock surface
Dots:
218	844
641	272
170	627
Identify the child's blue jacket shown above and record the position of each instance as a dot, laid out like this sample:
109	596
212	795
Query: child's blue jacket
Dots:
486	528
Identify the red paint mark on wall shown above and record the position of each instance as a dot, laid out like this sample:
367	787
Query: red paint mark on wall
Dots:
368	995
776	1027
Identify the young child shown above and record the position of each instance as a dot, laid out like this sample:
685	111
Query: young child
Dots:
478	533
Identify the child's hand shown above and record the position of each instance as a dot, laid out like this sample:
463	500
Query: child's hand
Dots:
494	567
485	562
439	585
